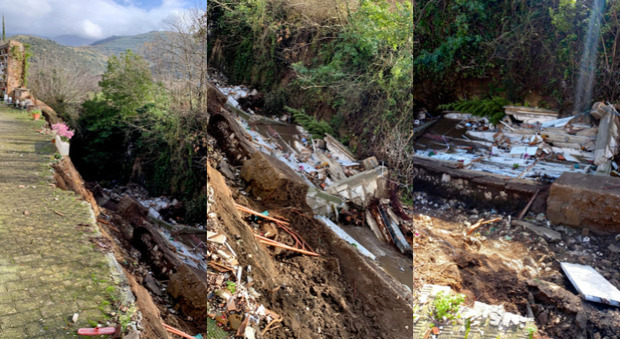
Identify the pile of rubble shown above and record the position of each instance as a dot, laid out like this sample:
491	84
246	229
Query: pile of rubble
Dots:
336	180
528	143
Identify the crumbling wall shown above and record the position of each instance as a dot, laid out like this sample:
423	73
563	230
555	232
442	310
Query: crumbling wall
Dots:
483	190
589	201
223	127
12	67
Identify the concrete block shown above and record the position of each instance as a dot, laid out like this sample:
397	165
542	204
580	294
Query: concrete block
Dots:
582	200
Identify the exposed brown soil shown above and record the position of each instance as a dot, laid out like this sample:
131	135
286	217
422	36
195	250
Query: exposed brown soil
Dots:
336	295
515	267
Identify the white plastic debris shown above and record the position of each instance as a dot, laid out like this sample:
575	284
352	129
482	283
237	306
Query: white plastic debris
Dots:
591	285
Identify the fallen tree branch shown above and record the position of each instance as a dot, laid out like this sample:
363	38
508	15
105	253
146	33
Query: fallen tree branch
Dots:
529	204
480	223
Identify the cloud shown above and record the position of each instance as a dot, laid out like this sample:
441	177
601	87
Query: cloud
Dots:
89	19
92	30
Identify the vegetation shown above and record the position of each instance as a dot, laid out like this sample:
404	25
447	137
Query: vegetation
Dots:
446	307
339	67
141	130
318	129
351	62
77	59
115	45
491	108
525	51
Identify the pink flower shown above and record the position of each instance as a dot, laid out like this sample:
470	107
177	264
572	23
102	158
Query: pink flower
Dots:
63	131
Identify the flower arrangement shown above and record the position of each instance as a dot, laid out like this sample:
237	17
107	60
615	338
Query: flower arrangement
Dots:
63	131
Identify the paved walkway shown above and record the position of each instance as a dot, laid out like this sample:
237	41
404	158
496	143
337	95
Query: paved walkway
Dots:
49	269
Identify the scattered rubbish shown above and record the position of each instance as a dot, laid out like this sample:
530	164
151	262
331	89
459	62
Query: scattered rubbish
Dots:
58	213
75	317
96	331
590	284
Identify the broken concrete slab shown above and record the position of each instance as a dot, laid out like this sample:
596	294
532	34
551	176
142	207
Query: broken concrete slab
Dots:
591	285
338	149
608	133
345	236
531	115
323	203
362	187
582	200
547	233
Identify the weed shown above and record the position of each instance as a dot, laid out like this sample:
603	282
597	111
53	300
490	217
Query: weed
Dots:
231	286
446	307
467	327
530	331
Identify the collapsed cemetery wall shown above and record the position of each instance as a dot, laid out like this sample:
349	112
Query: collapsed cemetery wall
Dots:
481	190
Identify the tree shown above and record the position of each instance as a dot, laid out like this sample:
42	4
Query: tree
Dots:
3	31
180	58
127	83
60	87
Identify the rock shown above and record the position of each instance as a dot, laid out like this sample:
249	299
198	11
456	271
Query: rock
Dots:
235	321
226	170
542	318
614	248
553	294
132	335
151	285
547	233
189	287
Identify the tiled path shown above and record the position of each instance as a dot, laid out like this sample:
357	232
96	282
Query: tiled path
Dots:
48	268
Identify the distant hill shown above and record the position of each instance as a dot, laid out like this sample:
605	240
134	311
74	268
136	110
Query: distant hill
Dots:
78	58
72	40
92	58
114	45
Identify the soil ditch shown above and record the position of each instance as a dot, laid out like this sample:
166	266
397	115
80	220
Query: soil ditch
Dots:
507	263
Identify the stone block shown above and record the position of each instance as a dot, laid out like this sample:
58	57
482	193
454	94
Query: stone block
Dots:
582	200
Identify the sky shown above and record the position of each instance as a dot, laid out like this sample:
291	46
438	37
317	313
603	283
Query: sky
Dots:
93	19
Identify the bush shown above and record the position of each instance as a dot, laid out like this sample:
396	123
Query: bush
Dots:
491	108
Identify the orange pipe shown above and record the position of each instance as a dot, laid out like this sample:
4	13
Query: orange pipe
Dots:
270	242
247	210
177	332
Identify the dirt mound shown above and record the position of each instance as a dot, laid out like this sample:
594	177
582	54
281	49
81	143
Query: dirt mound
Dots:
274	182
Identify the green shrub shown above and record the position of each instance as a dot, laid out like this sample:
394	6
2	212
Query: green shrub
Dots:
491	108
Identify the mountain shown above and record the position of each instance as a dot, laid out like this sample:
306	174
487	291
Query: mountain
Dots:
92	58
72	40
78	58
114	45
